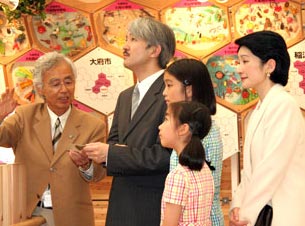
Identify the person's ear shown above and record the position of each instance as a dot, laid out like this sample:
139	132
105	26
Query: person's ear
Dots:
189	92
40	90
156	50
270	65
184	129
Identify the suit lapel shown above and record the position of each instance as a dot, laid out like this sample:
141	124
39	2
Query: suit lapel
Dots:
42	130
254	123
146	104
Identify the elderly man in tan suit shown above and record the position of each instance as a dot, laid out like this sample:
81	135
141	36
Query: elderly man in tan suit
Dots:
57	175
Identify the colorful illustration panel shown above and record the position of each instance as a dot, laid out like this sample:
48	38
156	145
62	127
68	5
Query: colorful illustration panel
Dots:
21	72
112	23
64	30
296	83
228	123
200	28
14	40
227	83
283	17
101	77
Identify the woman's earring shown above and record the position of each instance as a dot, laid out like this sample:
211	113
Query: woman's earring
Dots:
268	74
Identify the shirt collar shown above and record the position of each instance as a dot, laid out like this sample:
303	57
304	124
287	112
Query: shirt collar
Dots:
63	118
145	84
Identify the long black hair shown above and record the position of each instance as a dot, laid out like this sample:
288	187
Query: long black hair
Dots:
195	73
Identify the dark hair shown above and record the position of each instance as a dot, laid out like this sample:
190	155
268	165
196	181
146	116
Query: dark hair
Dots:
194	72
198	117
269	45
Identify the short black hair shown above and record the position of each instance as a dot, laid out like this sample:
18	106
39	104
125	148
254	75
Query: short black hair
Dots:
269	45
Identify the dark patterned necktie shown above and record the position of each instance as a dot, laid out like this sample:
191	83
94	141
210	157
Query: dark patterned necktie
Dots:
57	133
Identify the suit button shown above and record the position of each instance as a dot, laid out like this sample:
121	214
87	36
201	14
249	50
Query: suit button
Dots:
52	169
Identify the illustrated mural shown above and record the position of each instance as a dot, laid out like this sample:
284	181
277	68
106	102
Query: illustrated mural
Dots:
227	83
200	28
93	37
64	29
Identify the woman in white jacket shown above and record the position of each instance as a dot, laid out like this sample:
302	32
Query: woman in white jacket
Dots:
274	150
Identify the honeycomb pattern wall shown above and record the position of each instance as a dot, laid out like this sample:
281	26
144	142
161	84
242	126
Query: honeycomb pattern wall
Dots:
92	34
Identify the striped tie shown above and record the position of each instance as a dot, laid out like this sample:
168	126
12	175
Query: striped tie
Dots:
57	133
135	100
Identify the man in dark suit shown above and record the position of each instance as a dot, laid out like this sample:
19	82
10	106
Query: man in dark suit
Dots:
56	188
133	155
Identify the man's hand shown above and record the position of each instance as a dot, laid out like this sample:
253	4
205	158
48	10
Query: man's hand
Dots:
7	103
80	159
97	151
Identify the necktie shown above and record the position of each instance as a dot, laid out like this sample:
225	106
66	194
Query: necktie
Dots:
57	133
135	100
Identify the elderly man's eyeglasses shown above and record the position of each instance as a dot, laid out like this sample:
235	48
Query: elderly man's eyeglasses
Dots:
56	84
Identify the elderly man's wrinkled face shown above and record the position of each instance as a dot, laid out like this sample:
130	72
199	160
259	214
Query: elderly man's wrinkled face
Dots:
58	87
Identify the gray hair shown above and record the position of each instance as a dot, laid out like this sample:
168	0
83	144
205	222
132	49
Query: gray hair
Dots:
47	61
155	33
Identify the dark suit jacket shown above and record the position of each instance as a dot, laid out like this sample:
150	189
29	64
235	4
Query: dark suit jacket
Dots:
28	132
140	168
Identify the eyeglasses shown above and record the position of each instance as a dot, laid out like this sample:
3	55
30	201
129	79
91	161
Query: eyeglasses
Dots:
56	84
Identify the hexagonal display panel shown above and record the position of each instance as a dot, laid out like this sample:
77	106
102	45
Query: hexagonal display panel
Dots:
200	28
227	120
296	83
112	23
101	77
64	30
283	17
14	40
21	78
226	81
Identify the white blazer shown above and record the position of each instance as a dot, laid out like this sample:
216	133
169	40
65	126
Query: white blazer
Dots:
274	161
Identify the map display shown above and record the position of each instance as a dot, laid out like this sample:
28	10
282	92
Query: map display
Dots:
101	76
296	83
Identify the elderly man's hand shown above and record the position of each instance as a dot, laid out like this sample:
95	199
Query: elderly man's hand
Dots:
80	159
7	103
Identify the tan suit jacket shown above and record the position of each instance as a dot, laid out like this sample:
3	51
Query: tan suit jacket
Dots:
28	132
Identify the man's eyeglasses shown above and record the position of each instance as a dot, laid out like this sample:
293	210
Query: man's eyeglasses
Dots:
56	84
